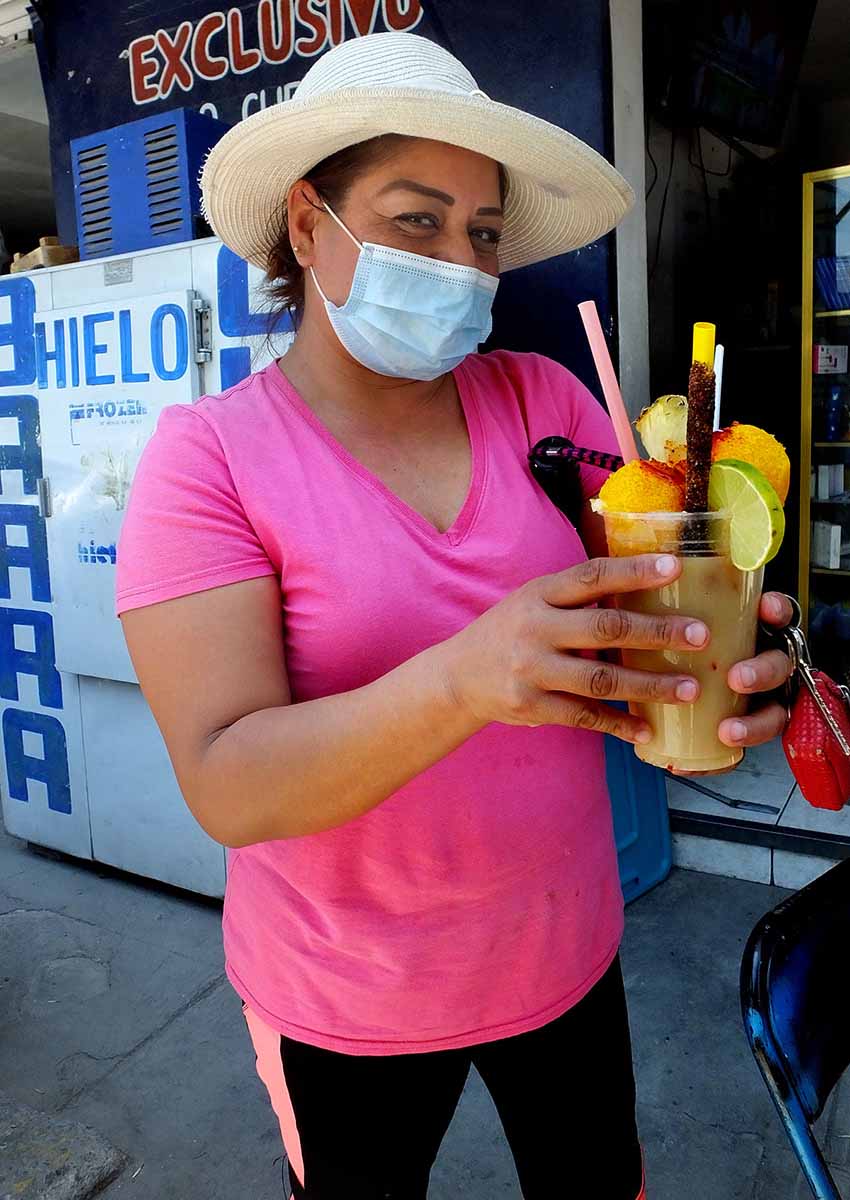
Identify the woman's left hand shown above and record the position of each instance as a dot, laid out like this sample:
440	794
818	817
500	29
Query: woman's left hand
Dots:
760	674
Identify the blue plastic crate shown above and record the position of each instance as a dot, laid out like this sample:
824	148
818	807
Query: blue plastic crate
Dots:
136	185
641	820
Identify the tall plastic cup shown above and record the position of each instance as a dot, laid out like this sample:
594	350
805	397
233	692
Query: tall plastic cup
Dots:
712	589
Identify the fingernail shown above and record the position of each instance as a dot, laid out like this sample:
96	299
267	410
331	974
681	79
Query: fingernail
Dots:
643	736
696	634
747	676
686	690
665	565
737	731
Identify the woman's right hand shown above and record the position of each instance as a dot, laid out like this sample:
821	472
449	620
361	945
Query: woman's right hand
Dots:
520	662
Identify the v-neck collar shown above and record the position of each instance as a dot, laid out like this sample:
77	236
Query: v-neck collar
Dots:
462	523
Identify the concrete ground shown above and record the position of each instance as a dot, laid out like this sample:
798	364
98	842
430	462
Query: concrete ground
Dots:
115	1015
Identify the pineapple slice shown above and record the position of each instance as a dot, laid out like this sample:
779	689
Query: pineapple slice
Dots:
663	428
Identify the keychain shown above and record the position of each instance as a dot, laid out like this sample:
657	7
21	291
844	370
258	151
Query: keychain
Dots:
817	737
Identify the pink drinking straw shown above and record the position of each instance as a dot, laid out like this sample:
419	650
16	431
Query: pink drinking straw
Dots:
610	387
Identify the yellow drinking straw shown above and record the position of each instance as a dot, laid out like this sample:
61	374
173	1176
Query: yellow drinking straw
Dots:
704	336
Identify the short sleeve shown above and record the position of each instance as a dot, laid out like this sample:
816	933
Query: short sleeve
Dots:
557	402
592	429
185	529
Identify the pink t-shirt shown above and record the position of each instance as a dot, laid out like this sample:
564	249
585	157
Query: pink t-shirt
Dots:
482	899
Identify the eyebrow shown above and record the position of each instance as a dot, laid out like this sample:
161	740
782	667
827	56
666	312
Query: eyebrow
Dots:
410	185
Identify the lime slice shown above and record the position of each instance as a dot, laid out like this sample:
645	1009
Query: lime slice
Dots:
758	522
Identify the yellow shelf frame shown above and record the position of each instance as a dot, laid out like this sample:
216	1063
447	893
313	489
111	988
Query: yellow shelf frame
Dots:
809	316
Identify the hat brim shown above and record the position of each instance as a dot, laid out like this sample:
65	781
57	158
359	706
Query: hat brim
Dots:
561	193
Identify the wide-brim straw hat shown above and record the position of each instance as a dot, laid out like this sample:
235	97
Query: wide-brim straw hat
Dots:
561	193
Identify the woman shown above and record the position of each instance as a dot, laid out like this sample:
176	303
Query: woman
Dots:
399	729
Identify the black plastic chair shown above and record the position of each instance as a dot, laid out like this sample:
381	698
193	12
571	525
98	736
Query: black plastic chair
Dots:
796	1011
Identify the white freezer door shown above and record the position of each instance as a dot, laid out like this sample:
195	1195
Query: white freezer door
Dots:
139	819
107	371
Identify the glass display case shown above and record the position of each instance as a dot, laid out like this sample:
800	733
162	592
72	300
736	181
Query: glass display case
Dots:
824	579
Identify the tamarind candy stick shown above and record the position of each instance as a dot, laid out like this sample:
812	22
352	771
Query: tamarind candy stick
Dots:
700	428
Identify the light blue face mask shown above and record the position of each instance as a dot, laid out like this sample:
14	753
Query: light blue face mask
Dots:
410	316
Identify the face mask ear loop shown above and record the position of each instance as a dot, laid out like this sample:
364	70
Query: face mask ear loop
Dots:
318	287
341	224
345	229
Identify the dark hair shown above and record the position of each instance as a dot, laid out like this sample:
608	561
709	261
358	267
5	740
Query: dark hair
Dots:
332	178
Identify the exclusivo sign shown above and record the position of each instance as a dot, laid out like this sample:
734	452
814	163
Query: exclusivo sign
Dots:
222	43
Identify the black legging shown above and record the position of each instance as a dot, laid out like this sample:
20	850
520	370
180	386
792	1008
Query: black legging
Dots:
371	1126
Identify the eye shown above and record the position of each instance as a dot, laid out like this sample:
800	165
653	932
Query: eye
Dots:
419	220
487	236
